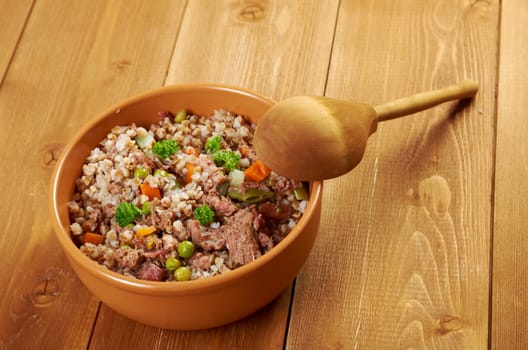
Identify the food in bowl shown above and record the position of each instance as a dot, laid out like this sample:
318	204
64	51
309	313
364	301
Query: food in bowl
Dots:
205	302
183	199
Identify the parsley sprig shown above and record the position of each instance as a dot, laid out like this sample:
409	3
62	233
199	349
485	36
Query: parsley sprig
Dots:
165	148
128	212
213	144
204	214
227	159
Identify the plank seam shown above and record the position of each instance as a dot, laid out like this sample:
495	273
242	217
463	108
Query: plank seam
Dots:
493	178
93	326
175	42
288	317
331	49
19	39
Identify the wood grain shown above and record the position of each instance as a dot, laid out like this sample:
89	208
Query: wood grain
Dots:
264	330
510	243
421	246
64	71
411	268
277	48
15	15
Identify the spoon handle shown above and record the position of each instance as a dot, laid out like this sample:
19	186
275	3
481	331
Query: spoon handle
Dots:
424	100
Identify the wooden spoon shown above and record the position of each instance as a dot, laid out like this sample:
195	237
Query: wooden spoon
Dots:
317	138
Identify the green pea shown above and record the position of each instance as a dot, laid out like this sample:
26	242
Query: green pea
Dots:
186	249
141	172
182	273
161	172
180	116
145	208
172	264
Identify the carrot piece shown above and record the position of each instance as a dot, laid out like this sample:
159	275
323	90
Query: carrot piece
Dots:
149	191
145	231
190	170
192	151
257	171
94	238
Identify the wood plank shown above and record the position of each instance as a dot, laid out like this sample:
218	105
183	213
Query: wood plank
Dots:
15	14
263	330
412	270
277	48
510	244
274	47
71	62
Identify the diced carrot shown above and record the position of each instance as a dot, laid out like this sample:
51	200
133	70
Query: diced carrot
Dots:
94	238
257	171
192	151
145	230
149	191
190	170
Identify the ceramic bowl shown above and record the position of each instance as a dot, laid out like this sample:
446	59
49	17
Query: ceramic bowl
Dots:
196	304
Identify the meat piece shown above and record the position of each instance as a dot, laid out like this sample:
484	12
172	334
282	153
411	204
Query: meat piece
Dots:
282	184
155	253
274	212
126	257
166	114
208	239
241	238
221	205
151	272
201	261
248	185
259	224
161	219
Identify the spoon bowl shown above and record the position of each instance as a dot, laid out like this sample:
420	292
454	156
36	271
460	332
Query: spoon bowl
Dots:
315	138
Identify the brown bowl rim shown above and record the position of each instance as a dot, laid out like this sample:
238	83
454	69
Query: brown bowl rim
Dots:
167	288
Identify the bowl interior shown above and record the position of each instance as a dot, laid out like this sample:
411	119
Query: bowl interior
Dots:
143	110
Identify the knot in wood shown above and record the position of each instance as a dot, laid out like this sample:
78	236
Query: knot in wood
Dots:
252	12
121	64
449	323
50	154
45	292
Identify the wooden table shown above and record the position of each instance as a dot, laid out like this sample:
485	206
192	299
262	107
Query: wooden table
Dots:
421	246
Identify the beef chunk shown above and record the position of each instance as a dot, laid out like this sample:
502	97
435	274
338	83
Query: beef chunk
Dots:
151	272
241	238
207	238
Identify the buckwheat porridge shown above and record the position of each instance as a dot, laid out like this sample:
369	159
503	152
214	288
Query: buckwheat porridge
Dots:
185	199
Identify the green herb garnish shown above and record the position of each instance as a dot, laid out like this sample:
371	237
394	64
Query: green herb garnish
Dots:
227	159
165	148
204	214
126	213
213	144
